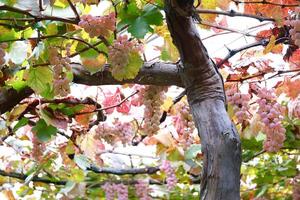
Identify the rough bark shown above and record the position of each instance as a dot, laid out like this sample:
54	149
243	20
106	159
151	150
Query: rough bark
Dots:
157	73
219	139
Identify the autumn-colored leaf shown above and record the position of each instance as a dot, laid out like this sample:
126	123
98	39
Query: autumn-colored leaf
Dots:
289	87
294	59
84	119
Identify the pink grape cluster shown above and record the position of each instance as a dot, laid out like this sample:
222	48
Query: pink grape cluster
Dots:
142	190
270	113
118	132
98	26
112	189
61	83
295	108
120	51
153	99
295	31
184	124
37	148
170	173
2	53
240	103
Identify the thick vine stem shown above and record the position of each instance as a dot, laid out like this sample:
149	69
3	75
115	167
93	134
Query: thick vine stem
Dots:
156	73
220	140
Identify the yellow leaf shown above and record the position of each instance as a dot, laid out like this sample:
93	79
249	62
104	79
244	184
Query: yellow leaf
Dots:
208	4
167	104
270	45
16	112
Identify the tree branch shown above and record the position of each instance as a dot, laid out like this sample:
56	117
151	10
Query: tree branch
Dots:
162	74
131	171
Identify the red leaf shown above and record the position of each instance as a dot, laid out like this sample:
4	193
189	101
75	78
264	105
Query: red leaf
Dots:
115	99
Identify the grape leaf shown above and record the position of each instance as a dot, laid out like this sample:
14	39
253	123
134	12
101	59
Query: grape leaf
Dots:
40	80
139	22
43	131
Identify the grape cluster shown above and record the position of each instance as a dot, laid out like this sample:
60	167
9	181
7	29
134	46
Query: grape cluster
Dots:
98	26
2	53
112	189
109	190
240	103
120	51
37	148
184	124
295	31
170	173
295	108
142	190
61	83
270	113
118	132
138	100
153	99
296	188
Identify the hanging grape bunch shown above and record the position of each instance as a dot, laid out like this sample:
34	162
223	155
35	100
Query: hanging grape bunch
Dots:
98	26
2	53
60	66
153	99
270	113
240	103
295	31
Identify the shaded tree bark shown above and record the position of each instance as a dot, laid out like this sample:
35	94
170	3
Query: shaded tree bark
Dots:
204	87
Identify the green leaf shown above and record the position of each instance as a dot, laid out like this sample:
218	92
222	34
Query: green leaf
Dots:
40	80
52	29
22	122
43	131
17	81
77	175
131	70
139	22
152	15
139	28
8	34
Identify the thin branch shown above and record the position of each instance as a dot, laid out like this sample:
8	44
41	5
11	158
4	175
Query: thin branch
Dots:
90	46
226	28
233	13
263	42
74	10
231	53
254	156
38	18
109	107
265	2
